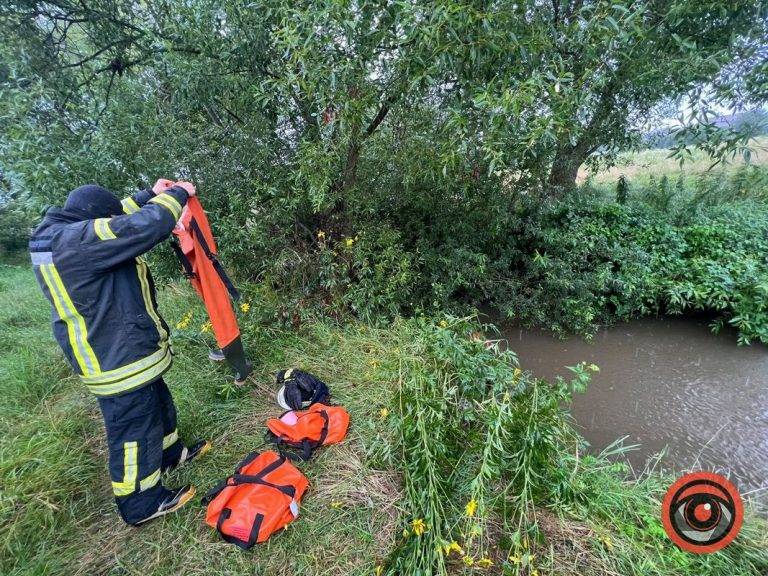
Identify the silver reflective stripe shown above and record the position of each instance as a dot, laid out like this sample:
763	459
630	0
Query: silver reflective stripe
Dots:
129	205
170	203
133	381
130	470
78	333
110	376
170	439
150	481
39	258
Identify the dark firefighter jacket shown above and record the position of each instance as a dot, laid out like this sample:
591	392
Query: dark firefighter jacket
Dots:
103	299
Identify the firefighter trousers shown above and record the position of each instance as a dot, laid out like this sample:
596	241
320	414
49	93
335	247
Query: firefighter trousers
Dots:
143	441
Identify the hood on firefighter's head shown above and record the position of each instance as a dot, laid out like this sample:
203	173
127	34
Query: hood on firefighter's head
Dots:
92	201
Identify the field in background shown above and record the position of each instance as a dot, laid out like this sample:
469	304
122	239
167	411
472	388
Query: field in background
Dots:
638	167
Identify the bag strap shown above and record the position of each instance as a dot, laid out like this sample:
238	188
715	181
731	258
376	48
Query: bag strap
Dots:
238	479
250	457
185	263
252	537
233	293
307	446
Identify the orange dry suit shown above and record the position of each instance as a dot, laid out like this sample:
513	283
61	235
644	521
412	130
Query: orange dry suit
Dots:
197	251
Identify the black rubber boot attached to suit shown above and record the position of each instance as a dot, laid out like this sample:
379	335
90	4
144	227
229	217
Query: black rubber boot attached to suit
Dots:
235	356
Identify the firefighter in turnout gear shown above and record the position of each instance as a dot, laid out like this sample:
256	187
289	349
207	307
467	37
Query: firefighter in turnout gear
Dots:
87	259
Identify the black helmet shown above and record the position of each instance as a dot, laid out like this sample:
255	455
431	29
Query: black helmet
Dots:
299	389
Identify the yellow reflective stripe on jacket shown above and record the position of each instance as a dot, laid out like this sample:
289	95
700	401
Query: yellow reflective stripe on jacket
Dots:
78	333
146	292
170	439
130	470
150	481
133	381
102	229
168	202
123	372
129	205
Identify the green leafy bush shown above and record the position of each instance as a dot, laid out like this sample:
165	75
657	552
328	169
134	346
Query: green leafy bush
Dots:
591	262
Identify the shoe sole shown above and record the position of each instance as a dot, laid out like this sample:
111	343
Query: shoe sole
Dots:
184	499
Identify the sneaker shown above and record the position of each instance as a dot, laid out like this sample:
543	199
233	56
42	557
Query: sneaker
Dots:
175	500
198	449
216	356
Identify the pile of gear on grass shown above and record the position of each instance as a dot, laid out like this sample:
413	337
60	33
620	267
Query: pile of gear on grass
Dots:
264	493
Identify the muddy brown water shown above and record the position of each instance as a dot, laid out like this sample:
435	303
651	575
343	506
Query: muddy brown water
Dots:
668	384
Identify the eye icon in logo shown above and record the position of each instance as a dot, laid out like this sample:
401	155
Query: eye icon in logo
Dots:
702	512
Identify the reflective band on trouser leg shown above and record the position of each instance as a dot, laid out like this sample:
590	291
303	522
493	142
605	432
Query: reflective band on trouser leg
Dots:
130	470
78	333
129	205
152	373
146	292
150	481
170	203
170	439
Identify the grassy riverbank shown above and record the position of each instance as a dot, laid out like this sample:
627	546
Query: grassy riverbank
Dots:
446	432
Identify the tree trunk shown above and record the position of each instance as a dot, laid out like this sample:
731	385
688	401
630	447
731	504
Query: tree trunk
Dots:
565	167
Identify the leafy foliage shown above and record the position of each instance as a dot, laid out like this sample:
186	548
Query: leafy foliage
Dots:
485	447
437	138
590	262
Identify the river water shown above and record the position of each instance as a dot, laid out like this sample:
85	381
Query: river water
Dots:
667	384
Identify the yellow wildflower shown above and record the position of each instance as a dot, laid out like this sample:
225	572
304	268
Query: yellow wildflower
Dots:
418	526
468	560
244	307
471	507
515	559
607	542
320	235
453	547
485	563
349	242
383	413
517	372
379	570
405	533
206	327
443	324
185	320
336	504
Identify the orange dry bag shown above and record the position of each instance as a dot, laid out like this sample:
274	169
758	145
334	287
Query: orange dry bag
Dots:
319	425
196	250
260	498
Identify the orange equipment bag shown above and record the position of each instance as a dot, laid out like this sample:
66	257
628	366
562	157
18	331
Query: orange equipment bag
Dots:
260	498
196	249
319	425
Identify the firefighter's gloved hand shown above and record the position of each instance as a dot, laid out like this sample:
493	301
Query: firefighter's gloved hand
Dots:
162	185
188	186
